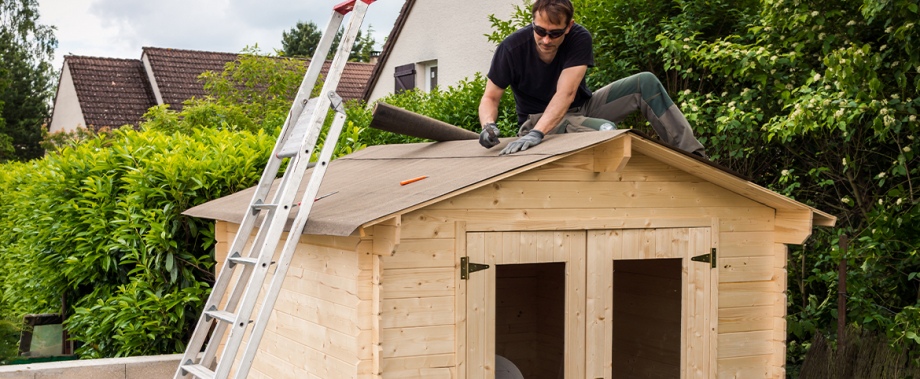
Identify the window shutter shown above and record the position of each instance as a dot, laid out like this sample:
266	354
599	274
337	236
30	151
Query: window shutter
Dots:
405	77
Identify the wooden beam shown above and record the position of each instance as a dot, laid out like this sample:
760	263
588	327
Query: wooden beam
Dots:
460	300
823	219
386	236
376	312
793	227
589	224
612	156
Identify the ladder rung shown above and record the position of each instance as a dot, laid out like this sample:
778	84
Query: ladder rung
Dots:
237	259
259	205
221	315
246	261
198	370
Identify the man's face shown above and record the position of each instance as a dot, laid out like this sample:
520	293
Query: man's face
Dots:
546	44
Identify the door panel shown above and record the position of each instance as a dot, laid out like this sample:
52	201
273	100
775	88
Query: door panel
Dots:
493	248
698	279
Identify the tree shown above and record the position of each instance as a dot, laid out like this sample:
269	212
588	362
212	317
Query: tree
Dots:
26	48
302	39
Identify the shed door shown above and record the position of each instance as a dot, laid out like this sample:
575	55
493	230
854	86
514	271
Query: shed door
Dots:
528	306
651	309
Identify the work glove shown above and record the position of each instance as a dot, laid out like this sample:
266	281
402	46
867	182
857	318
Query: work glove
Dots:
489	135
531	139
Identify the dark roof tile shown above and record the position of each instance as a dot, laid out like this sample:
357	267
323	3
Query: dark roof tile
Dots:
112	92
176	73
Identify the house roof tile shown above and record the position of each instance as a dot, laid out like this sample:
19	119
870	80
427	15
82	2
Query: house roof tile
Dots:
176	72
112	92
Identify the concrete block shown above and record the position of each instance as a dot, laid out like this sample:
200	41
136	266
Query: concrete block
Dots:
153	369
148	367
115	371
17	374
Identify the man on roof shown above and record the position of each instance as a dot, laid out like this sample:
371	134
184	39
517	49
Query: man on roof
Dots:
545	64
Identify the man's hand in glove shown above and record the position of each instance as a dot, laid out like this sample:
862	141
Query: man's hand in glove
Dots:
531	139
489	135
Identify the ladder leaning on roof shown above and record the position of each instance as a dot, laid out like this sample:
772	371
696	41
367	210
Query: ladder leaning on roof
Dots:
297	140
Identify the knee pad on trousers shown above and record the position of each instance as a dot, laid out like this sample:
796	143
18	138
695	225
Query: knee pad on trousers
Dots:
653	92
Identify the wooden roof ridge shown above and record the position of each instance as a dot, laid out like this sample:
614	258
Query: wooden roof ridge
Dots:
387	47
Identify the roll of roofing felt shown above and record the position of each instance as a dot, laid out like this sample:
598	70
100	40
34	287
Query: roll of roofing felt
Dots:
398	120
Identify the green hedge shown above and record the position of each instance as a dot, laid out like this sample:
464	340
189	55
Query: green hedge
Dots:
102	224
99	221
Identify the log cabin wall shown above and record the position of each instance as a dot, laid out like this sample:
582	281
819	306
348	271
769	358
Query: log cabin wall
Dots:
568	194
313	330
324	322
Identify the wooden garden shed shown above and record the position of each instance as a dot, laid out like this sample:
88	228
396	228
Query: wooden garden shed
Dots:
609	255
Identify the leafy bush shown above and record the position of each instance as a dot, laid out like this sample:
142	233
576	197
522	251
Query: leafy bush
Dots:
9	340
818	101
99	219
103	224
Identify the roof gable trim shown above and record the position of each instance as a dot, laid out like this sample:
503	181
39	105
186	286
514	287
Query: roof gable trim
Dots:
152	78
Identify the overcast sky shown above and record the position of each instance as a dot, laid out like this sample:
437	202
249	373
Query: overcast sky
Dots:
119	28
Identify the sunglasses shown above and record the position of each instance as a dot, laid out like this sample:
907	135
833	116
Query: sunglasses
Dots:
553	34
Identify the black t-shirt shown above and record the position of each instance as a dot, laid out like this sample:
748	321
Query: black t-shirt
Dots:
517	63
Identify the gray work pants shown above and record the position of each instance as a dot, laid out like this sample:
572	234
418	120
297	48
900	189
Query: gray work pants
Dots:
617	100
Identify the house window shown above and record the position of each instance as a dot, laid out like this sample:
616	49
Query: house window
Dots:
431	74
405	77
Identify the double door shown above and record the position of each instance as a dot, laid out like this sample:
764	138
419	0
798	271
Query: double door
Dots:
590	304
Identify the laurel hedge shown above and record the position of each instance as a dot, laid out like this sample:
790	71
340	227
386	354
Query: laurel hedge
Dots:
101	223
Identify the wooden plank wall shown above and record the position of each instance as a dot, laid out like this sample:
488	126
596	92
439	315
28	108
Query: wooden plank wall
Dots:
324	327
313	331
646	193
417	284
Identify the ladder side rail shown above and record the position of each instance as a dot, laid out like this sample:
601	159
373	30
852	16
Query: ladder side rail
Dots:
267	247
333	76
221	283
317	118
319	59
290	245
243	279
307	85
214	298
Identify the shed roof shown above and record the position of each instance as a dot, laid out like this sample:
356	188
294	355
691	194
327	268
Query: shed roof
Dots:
368	181
112	92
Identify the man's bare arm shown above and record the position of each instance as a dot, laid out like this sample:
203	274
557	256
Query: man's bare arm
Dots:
566	88
488	106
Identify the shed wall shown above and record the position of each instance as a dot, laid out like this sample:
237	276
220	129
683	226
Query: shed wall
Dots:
313	330
568	194
417	286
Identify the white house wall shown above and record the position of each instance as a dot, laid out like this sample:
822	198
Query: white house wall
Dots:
67	114
449	31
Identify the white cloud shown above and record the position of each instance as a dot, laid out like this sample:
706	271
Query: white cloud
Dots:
120	28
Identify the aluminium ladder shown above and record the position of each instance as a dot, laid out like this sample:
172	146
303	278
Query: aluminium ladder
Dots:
297	140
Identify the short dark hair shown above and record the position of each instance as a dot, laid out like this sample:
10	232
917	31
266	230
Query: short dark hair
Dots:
555	10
